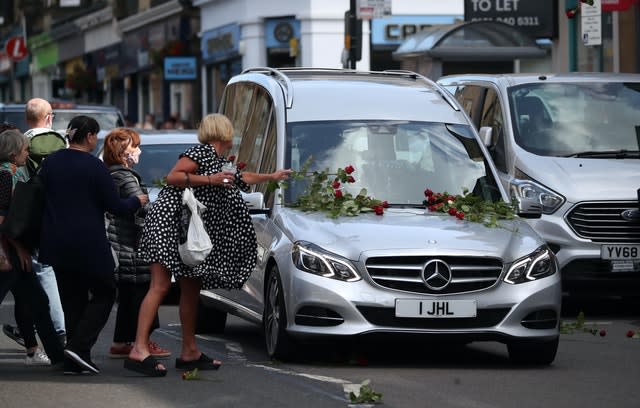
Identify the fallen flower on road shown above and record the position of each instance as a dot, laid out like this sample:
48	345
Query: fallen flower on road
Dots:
190	375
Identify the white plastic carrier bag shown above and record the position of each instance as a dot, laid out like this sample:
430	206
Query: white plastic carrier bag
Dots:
195	244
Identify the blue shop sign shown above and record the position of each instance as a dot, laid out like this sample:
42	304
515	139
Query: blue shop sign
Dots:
393	30
278	31
220	44
180	68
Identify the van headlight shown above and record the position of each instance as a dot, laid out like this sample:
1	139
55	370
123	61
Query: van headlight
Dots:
539	264
311	258
525	188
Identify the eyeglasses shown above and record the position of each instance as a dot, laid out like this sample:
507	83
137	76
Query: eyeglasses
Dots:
52	114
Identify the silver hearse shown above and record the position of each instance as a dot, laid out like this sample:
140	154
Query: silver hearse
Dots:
407	271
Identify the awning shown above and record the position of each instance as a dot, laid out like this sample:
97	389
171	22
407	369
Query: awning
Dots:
472	40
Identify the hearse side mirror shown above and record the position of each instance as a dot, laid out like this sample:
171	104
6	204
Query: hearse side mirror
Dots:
255	203
486	135
526	207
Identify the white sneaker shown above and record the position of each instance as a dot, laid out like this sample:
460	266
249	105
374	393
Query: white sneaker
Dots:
39	358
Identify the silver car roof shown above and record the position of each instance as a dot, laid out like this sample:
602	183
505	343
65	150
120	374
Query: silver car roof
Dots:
526	78
335	94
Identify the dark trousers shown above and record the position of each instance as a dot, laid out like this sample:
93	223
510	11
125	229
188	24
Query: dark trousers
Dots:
87	300
130	296
24	320
27	290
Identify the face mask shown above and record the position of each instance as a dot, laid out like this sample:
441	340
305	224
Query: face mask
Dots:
132	157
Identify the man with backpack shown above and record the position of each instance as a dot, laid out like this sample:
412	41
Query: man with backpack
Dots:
42	142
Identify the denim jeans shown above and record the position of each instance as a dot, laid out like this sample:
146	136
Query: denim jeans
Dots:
47	279
25	288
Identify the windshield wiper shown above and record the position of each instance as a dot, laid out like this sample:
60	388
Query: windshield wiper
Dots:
395	205
608	154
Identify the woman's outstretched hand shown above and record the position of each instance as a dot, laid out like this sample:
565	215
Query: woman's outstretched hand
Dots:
281	174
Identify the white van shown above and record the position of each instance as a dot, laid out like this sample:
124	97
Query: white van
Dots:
571	142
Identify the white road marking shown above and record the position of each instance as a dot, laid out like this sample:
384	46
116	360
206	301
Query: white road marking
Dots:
235	352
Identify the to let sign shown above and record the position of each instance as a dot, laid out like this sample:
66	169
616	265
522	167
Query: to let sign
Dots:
16	48
538	19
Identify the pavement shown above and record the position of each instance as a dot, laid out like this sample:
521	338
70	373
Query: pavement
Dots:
246	379
11	353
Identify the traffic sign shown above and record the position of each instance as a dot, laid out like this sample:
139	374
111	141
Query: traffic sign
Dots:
16	48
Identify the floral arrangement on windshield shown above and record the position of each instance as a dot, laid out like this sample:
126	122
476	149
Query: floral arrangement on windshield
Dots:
328	193
470	207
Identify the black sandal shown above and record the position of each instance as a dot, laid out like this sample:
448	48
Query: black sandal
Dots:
148	366
202	363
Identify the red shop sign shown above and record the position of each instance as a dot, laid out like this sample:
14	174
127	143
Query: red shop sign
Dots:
617	5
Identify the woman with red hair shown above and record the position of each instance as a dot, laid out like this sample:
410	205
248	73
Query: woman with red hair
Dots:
121	152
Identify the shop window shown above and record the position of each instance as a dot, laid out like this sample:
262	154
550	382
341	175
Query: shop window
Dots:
125	8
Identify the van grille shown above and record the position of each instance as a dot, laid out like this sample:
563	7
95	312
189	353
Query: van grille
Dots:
405	273
603	222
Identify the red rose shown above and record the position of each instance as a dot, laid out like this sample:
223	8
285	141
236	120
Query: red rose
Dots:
378	209
452	211
460	215
630	333
335	185
385	204
241	165
428	193
338	193
451	198
349	169
432	208
231	158
603	333
350	179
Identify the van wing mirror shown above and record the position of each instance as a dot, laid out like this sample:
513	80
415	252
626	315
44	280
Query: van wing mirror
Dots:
255	202
486	135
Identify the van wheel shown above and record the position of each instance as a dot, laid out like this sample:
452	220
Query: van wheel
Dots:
210	320
533	352
279	344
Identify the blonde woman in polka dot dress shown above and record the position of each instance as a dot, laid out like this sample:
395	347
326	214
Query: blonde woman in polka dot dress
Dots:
229	226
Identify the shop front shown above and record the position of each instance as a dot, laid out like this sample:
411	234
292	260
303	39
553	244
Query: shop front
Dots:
142	66
45	72
388	33
466	47
221	59
282	37
75	81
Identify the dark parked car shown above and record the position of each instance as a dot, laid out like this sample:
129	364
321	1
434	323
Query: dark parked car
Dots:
108	116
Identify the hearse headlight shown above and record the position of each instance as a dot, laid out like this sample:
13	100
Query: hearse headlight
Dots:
525	188
313	259
539	264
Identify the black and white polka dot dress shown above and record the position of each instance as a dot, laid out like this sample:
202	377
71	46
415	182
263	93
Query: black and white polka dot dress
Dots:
226	219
